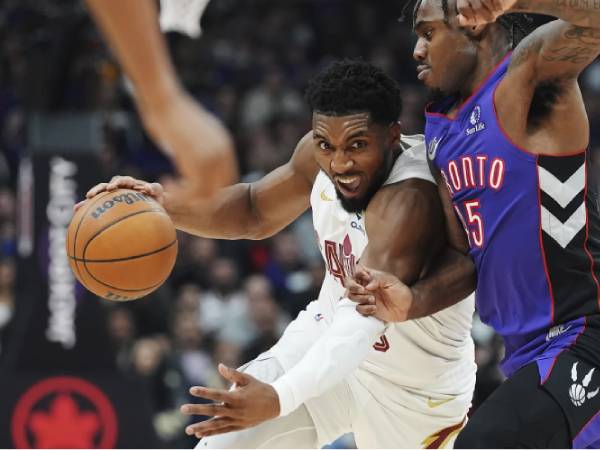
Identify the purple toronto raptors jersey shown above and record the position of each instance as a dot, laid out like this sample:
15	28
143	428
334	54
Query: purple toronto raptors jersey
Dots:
532	224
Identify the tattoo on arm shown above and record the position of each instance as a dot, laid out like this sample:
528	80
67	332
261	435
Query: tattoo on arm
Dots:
575	55
577	46
528	49
585	36
584	13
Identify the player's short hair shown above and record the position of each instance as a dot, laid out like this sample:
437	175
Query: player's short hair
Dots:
353	86
516	25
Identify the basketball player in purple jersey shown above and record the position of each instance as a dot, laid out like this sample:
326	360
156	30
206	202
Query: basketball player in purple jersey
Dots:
508	139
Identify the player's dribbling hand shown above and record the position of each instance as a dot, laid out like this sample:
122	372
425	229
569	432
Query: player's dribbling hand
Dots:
248	404
379	294
479	12
154	190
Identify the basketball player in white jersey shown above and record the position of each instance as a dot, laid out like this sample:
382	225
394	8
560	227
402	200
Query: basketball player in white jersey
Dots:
335	371
172	118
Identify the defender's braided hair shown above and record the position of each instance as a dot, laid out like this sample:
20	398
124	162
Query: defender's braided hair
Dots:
516	25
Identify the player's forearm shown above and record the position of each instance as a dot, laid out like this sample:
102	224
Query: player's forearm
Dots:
451	280
132	30
228	214
200	146
338	352
583	13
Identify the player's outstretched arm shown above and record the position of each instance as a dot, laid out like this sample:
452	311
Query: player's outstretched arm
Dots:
550	58
201	147
241	211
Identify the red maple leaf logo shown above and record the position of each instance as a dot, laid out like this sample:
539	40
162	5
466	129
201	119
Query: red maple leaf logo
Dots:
64	425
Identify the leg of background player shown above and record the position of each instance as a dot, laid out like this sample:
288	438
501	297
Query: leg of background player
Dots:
519	414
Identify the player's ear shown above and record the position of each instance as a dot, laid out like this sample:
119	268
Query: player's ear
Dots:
476	31
395	132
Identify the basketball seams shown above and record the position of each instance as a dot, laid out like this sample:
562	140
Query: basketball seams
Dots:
89	272
126	258
114	222
107	226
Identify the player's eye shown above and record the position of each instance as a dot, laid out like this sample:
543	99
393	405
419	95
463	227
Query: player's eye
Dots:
323	145
428	34
358	144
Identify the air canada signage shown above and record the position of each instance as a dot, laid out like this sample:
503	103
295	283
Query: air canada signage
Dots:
64	412
101	410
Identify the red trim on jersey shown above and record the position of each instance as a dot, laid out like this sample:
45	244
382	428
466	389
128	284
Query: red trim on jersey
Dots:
475	91
585	242
541	240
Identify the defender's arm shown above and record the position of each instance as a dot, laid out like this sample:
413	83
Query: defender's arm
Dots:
201	147
388	288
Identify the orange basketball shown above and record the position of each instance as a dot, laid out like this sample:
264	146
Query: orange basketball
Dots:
121	245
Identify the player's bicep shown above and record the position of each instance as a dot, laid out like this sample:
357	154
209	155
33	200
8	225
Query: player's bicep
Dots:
405	227
555	51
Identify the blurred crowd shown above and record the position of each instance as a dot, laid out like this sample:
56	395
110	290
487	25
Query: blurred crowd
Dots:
225	301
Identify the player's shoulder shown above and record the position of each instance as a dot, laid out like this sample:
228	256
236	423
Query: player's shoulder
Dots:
410	141
412	162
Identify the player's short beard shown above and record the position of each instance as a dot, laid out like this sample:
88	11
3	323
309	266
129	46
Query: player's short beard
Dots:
358	204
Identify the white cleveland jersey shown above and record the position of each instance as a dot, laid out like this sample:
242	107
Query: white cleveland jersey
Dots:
429	355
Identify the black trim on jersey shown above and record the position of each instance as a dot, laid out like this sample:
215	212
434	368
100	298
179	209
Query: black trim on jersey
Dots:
558	211
574	269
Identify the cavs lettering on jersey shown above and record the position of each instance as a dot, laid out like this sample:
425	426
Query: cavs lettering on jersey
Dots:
409	353
532	224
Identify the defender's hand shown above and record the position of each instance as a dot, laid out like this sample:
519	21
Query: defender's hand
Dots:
249	403
479	12
379	294
154	190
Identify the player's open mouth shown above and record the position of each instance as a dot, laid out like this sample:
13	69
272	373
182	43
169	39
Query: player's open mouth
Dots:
348	185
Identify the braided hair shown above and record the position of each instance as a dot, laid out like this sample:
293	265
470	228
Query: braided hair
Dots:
516	25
